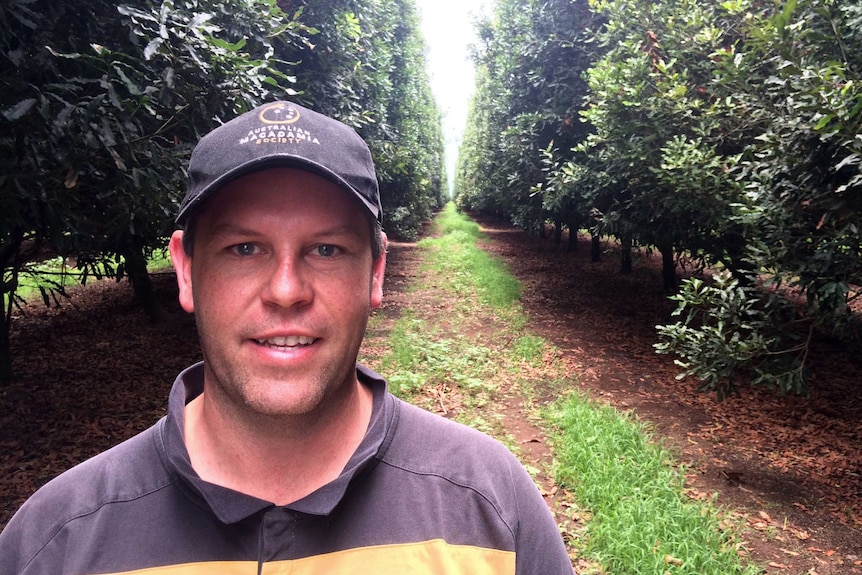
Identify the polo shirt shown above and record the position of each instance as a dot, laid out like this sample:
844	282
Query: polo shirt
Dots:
421	495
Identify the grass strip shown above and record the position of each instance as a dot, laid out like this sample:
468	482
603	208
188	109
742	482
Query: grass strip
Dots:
638	519
464	267
641	522
418	359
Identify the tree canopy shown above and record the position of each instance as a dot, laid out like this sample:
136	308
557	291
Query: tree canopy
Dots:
723	132
102	103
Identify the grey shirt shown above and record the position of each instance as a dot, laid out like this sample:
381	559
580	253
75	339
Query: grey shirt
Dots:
421	495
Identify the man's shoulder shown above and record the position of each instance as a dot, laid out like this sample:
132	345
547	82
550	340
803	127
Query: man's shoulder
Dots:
421	422
482	483
119	472
124	472
428	443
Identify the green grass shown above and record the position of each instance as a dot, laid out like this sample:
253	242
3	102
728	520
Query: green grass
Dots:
641	522
530	349
159	261
450	221
465	268
48	275
54	275
419	360
471	339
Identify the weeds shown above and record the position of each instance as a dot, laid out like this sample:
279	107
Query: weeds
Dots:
464	268
420	360
530	349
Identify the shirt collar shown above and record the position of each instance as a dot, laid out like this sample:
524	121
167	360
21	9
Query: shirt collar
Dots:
231	506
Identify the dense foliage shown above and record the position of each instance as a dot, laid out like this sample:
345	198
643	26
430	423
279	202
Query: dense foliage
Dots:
368	69
726	132
528	96
102	103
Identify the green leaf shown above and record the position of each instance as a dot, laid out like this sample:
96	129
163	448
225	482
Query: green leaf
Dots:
199	20
168	76
135	13
163	17
106	134
823	122
63	116
19	109
849	160
71	55
130	86
231	47
781	20
152	48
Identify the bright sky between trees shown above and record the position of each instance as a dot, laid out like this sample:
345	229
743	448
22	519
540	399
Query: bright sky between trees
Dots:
447	26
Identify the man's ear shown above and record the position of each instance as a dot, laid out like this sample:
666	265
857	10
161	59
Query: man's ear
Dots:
377	274
183	267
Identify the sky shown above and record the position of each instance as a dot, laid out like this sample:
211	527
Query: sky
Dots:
447	26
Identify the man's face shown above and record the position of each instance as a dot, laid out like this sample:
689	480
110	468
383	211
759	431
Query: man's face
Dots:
281	282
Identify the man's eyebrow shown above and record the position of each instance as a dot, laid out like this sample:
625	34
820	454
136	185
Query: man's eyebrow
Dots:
231	229
337	230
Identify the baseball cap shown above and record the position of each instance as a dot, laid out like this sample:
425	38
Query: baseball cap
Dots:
281	134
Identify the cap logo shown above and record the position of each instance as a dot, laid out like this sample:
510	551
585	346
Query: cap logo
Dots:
277	127
279	113
286	134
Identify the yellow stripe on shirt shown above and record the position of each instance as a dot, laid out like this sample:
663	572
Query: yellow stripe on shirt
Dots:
435	557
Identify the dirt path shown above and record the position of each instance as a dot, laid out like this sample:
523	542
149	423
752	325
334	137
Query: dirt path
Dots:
790	467
603	323
96	372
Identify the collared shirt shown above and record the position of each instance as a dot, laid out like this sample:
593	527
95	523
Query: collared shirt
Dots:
420	495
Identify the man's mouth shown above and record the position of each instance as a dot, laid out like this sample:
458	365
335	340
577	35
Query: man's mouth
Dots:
286	342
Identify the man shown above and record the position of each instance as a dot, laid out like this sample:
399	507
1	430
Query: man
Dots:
279	454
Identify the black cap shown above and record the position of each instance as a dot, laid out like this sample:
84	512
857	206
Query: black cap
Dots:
281	134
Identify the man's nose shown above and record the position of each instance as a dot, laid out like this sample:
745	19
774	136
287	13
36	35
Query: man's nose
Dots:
288	283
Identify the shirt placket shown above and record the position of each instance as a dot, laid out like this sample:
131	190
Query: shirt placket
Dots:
277	539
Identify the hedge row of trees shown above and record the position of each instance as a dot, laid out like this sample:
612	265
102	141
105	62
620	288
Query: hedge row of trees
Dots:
102	102
727	132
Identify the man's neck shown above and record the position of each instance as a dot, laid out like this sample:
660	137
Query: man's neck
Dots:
279	459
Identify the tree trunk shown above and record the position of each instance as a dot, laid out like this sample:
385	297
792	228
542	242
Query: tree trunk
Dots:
626	254
734	246
10	259
595	248
668	268
5	343
136	269
573	238
558	232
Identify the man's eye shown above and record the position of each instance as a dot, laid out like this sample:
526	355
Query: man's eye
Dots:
245	249
326	250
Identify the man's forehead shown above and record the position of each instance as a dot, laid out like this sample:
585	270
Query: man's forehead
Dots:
287	190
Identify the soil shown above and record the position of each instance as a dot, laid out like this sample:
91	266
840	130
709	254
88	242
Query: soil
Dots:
95	372
790	467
